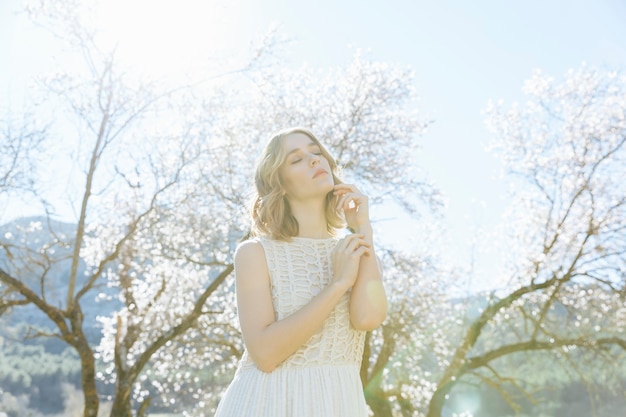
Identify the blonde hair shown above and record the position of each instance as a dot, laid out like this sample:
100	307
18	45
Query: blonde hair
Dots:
271	213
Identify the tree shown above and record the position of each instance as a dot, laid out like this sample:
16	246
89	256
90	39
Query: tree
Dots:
563	296
18	152
161	200
106	110
217	192
402	354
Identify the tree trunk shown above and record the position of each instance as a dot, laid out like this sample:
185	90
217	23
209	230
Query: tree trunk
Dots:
376	398
435	406
88	380
87	365
121	406
379	404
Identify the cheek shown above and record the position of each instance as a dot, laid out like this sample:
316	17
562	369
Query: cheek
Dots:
289	178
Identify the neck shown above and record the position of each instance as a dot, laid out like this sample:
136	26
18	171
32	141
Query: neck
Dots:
311	217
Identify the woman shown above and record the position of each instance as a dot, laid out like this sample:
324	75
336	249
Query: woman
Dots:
305	296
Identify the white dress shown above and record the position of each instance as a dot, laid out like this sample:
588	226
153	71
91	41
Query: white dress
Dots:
321	379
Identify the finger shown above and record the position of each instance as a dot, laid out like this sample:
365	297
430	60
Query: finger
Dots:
345	242
345	190
341	202
363	251
358	243
353	236
346	193
350	201
342	244
344	200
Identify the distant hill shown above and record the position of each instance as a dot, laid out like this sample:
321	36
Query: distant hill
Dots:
27	236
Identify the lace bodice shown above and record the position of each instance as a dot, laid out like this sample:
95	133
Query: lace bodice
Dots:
299	270
322	377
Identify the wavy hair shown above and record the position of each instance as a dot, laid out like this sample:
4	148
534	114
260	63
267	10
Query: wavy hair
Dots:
270	210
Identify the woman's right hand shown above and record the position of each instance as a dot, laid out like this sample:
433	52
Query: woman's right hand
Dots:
346	257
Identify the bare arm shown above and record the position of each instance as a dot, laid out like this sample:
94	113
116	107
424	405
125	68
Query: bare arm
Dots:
368	301
268	341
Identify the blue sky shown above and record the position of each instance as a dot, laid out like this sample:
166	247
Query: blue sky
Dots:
463	53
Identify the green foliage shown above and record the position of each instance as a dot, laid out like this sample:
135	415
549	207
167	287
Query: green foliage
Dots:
30	371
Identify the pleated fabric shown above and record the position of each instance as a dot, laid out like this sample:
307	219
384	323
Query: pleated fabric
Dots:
321	379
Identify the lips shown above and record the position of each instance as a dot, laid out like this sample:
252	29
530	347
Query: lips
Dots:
320	172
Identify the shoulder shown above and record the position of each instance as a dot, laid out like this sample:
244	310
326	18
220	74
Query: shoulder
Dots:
249	250
252	254
250	265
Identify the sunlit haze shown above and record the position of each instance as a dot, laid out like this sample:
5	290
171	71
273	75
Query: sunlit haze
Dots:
463	54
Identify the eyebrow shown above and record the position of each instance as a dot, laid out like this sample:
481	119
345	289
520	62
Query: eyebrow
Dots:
309	145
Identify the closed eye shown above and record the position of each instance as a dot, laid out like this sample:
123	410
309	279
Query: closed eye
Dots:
297	153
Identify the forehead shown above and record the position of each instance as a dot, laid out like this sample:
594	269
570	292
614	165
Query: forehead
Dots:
297	140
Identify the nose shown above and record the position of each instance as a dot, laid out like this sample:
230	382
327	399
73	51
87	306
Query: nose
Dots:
315	159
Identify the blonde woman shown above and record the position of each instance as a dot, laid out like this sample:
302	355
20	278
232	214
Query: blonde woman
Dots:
306	294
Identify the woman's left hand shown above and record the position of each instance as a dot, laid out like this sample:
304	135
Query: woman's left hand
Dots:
354	205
